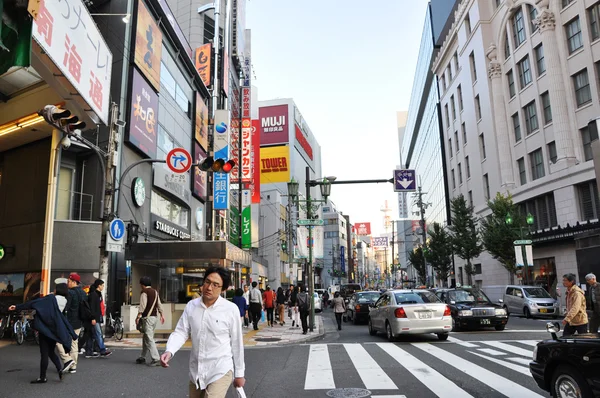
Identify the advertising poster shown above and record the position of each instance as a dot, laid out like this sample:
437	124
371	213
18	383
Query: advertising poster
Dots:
201	127
363	228
273	124
12	285
255	184
234	226
274	164
200	178
380	241
202	60
148	45
221	147
234	149
143	116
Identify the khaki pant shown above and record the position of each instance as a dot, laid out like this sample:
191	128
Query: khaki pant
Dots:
73	355
148	343
216	389
281	308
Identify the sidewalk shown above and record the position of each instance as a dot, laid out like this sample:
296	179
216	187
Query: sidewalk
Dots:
265	336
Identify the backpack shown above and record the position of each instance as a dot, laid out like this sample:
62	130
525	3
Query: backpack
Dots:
302	301
85	312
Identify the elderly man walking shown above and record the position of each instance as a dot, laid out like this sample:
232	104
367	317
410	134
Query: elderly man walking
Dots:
576	319
593	302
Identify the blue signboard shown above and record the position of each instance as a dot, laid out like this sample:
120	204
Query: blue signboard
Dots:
220	191
117	229
343	258
405	181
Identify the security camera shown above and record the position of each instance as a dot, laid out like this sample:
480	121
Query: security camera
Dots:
65	142
120	123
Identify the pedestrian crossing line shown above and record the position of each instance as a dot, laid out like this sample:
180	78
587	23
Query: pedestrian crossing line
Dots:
373	377
319	374
508	365
509	348
430	377
520	360
491	351
498	383
462	343
532	343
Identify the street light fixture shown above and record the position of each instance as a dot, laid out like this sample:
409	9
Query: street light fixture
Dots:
293	189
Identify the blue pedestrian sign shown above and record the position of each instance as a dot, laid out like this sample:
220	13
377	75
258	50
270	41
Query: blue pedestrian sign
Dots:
405	181
117	229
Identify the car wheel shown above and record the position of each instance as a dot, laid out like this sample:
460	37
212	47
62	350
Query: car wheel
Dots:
500	327
568	382
455	327
388	332
442	336
526	312
372	331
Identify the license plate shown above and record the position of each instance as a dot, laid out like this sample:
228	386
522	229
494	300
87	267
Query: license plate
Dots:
543	310
485	321
425	315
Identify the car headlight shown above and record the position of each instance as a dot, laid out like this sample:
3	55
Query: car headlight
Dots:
500	312
533	304
465	313
555	304
535	353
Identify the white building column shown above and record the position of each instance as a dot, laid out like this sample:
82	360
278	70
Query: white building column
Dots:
546	22
501	125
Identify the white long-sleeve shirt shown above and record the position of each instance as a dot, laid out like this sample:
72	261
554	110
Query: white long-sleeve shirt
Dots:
217	340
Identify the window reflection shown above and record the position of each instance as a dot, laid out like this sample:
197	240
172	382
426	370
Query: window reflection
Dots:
168	210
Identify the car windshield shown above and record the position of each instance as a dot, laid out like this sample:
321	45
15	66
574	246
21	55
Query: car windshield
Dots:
416	298
536	292
353	287
468	296
368	297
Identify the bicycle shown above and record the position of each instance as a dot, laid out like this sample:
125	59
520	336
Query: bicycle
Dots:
116	324
5	324
22	328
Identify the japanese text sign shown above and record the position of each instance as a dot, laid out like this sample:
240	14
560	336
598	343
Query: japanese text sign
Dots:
405	181
201	132
220	191
70	38
273	124
255	185
143	116
363	228
235	149
246	227
221	146
203	61
380	241
246	161
148	45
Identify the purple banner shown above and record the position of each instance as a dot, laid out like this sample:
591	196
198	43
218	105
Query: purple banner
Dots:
273	124
143	116
199	188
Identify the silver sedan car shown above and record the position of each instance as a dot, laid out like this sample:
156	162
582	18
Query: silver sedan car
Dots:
409	312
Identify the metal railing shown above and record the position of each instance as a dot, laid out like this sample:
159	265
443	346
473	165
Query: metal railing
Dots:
80	204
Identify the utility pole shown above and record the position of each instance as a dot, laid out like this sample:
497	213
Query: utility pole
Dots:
309	265
422	206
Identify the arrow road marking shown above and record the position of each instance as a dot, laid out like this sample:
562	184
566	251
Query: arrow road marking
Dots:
405	183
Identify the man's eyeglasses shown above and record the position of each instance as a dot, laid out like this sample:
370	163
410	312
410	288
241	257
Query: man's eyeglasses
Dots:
215	285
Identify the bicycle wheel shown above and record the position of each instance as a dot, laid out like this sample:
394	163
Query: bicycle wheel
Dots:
2	326
19	336
119	330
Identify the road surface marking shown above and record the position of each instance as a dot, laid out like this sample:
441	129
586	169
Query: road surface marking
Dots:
532	343
520	360
373	377
509	348
498	383
430	377
490	351
319	375
509	365
462	343
388	396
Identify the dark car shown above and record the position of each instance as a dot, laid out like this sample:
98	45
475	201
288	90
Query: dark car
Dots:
472	309
348	289
357	309
567	366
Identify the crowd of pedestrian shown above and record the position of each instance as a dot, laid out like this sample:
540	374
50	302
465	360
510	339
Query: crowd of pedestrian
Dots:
583	308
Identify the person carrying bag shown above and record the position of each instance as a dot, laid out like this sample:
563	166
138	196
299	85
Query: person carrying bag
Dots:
339	308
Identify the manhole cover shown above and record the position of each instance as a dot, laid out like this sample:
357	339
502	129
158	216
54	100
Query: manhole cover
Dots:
348	393
13	370
267	339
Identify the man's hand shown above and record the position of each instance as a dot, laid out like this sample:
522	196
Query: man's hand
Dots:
93	322
165	358
564	322
162	318
239	382
12	308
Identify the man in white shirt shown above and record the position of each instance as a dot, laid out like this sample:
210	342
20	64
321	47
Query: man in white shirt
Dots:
256	304
215	327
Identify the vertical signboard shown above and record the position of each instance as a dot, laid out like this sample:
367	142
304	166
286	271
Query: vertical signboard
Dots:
225	79
246	132
202	60
199	188
234	226
247	227
221	147
142	116
255	185
343	258
201	127
234	151
148	45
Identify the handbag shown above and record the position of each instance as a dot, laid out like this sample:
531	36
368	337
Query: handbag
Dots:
140	326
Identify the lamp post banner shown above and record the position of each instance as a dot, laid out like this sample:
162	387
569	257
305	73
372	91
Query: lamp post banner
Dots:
529	255
518	256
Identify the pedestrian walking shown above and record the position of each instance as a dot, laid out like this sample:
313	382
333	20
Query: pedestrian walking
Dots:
256	304
147	319
214	325
325	298
77	312
247	297
52	326
339	308
281	305
269	304
240	301
576	319
295	315
93	328
593	302
302	305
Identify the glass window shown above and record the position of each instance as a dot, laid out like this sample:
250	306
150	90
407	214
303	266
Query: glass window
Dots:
532	16
522	172
473	67
367	297
460	180
471	198
524	72
518	27
477	108
173	212
552	152
447	116
182	100
594	18
165	142
517	126
547	108
498	2
539	59
455	58
482	151
531	121
468	296
453	107
449	73
450	147
464	133
536	158
587	137
456	141
418	297
543	210
506	46
453	180
511	83
589	204
443	80
486	186
460	99
468	166
581	83
574	37
566	2
536	292
468	24
167	80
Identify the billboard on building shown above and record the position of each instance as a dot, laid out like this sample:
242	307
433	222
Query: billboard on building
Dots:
201	131
200	177
246	132
274	164
302	140
273	124
363	228
255	184
202	60
148	45
143	116
221	147
380	241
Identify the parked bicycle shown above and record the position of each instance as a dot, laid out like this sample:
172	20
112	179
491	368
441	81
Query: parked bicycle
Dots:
115	324
22	329
6	323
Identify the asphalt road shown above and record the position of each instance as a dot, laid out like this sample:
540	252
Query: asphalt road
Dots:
477	364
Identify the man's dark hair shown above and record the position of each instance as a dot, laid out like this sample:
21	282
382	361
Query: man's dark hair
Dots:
570	277
223	273
300	286
254	284
98	282
62	290
145	281
239	292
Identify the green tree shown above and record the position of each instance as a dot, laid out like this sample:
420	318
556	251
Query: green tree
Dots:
416	259
439	253
465	237
498	236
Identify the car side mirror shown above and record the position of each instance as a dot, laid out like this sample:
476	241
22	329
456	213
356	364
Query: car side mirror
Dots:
553	328
500	301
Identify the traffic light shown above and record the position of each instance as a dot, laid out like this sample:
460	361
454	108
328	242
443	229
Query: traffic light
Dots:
284	246
217	166
62	119
132	234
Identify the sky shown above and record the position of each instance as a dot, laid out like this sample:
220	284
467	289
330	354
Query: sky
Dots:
349	66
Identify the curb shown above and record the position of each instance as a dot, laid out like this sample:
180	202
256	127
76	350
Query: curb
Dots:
307	340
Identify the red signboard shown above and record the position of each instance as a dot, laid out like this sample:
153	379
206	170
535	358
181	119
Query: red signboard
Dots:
273	124
363	228
304	143
255	185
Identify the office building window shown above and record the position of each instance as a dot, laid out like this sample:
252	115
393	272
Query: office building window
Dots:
566	2
443	81
468	24
453	107
456	141
545	97
477	108
447	116
574	37
594	18
511	83
453	180
460	99
473	67
552	152
581	83
470	198
531	121
482	151
587	137
522	172
543	210
524	72
450	147
589	204
486	186
517	126
170	211
460	180
468	167
464	133
455	58
449	73
506	46
518	27
532	16
539	59
536	159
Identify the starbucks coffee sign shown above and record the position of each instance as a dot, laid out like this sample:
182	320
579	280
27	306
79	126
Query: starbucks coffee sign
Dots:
169	230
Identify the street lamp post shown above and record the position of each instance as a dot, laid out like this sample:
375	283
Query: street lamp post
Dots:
530	220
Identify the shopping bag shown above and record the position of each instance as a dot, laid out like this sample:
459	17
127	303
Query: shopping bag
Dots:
262	316
240	392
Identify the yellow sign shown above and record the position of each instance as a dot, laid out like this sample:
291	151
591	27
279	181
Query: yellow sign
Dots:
274	164
191	289
179	270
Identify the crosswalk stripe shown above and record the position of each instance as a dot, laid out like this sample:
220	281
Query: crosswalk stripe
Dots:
500	384
509	365
532	343
520	360
462	343
319	374
430	377
373	377
509	348
491	351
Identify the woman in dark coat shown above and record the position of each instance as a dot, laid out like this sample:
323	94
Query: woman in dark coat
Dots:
52	327
240	301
